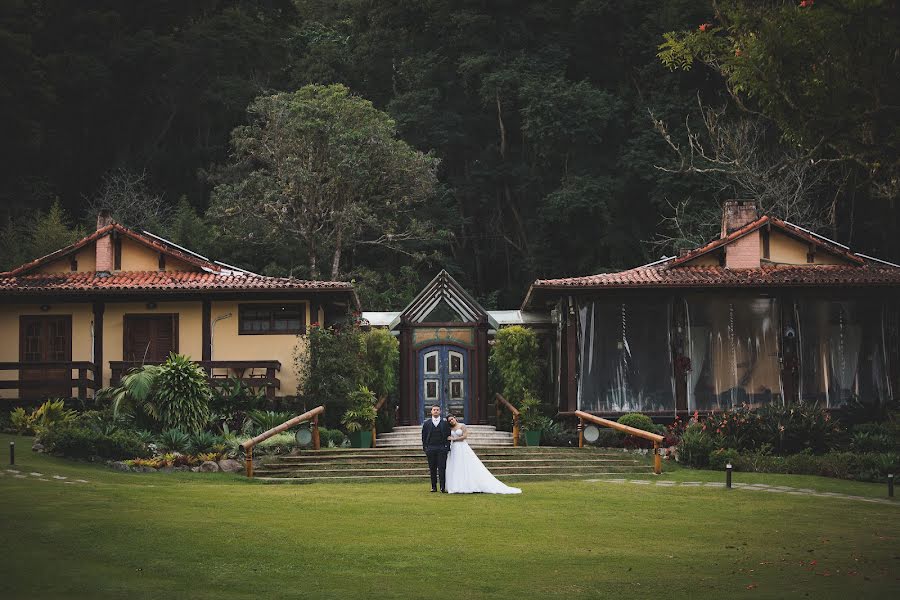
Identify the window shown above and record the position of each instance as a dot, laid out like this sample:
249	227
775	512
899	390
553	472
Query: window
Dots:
272	319
431	362
431	390
456	389
455	362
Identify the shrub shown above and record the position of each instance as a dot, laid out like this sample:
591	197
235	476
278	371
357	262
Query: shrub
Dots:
230	402
610	438
638	421
331	438
515	360
721	457
842	465
334	368
205	441
361	414
259	421
173	440
792	429
182	394
48	414
281	443
77	441
21	421
696	446
865	441
557	434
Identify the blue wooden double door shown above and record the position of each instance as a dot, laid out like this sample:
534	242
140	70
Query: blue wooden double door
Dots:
444	380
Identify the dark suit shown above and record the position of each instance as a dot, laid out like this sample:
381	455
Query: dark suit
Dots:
436	446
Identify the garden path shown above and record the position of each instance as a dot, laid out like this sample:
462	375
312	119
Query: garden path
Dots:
753	487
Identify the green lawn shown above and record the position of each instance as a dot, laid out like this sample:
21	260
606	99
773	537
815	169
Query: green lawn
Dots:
218	536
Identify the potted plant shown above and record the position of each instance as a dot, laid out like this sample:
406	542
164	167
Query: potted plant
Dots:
359	419
531	420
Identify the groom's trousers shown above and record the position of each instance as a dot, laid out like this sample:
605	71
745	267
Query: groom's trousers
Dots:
437	467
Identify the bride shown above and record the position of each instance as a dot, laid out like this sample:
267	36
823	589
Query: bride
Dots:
465	472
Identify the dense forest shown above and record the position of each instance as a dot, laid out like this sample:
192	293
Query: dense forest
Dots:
503	140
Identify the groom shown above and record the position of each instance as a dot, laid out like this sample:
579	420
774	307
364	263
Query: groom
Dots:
435	443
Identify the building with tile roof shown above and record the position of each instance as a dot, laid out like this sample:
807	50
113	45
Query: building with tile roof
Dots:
76	319
769	312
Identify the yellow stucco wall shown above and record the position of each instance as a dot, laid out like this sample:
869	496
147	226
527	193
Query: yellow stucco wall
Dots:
787	250
82	340
86	257
228	344
137	257
707	260
190	328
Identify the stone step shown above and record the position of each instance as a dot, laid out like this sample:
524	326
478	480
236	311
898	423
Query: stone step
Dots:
389	460
409	467
487	452
507	478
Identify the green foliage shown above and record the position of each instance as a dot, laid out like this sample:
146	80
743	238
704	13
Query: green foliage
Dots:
205	441
77	441
815	69
21	421
259	421
51	231
514	356
555	433
695	447
363	187
719	458
174	440
331	438
382	356
360	416
231	402
182	394
638	421
281	443
872	466
135	393
334	368
48	414
530	417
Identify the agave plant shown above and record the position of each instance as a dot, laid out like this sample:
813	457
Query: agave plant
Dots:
173	440
204	441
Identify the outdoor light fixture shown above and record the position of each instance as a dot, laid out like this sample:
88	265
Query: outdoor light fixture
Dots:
591	433
728	469
45	307
304	436
151	305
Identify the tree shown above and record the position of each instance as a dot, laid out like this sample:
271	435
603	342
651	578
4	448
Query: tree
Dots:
51	231
130	201
324	168
514	358
824	73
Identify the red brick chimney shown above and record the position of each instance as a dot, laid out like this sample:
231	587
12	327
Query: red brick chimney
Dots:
105	250
743	253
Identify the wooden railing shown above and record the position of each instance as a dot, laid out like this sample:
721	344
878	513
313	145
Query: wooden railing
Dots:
45	380
313	414
378	407
244	370
653	437
504	403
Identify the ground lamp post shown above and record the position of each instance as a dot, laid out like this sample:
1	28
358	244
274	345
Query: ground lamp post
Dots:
728	469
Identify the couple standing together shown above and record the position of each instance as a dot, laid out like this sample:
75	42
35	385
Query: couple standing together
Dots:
462	472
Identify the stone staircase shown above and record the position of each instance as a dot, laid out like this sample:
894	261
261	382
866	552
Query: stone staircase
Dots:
411	437
398	464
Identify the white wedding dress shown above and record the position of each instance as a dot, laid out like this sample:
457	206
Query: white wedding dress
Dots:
467	475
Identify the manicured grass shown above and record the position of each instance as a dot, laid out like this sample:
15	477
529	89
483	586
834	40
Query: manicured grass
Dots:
199	536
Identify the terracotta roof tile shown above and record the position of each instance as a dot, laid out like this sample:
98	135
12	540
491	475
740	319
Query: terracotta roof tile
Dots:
667	275
162	281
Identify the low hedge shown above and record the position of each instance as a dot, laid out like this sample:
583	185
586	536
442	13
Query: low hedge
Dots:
872	466
76	441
